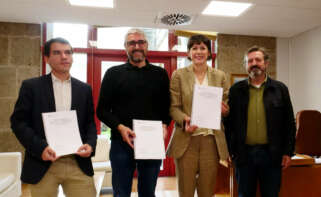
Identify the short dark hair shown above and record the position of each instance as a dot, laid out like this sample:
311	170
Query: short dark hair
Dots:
198	39
261	49
54	40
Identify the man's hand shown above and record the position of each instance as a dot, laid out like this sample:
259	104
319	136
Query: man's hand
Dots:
127	134
85	150
49	154
187	126
165	132
286	160
225	109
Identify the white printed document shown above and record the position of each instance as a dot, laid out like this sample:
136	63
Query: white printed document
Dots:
206	107
62	131
149	141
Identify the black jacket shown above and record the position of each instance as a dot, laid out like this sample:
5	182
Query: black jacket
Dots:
36	96
128	92
279	119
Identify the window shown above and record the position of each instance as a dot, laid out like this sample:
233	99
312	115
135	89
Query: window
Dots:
114	37
182	44
76	34
79	67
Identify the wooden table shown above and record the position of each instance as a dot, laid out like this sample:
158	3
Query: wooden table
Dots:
302	178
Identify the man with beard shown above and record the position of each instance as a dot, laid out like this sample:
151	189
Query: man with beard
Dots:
260	128
134	90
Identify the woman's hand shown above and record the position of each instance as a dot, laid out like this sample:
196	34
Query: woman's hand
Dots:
187	125
225	109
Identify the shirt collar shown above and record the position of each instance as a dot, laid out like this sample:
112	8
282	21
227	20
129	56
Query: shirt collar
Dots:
56	79
258	86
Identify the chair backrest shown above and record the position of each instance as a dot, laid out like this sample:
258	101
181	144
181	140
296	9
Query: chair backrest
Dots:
308	138
102	149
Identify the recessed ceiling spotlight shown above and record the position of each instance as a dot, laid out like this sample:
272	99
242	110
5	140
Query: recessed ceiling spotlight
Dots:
226	8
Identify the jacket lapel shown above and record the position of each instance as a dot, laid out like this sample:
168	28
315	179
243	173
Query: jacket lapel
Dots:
49	93
210	77
73	93
190	78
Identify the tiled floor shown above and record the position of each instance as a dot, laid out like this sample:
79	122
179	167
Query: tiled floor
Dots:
166	187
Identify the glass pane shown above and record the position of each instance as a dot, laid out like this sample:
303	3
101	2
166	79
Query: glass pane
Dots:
182	44
162	65
183	62
105	65
157	39
79	67
76	34
113	38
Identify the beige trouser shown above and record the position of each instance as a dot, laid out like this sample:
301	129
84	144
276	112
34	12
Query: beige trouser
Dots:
65	172
197	168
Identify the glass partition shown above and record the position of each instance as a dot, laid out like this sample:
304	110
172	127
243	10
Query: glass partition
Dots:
113	38
76	34
78	69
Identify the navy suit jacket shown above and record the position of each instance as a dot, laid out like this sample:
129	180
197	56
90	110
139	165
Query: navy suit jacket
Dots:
36	96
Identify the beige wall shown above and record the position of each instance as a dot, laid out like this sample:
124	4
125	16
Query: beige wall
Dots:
19	60
231	50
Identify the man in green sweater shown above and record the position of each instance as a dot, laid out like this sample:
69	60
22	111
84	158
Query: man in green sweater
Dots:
260	128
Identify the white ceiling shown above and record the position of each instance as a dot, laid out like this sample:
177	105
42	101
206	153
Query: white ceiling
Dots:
279	18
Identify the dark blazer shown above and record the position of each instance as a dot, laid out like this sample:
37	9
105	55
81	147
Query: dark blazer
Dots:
279	119
35	97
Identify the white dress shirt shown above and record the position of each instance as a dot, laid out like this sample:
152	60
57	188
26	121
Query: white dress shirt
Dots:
62	93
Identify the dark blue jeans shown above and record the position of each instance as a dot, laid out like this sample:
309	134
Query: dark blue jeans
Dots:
258	169
123	166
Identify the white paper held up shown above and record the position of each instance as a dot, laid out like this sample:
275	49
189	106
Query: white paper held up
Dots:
206	107
62	131
148	143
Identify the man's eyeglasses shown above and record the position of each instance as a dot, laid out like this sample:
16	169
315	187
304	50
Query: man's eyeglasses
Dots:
133	43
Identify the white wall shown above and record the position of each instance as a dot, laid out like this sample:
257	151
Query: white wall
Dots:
282	60
304	70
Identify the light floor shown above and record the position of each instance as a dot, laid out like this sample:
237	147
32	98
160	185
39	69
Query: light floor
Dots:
166	187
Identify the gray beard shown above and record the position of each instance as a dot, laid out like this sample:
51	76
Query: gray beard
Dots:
255	73
136	60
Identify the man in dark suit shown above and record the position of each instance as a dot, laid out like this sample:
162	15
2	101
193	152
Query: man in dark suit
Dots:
260	128
57	91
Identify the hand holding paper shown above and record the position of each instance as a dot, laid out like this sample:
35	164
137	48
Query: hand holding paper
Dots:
187	125
225	109
48	154
127	134
62	132
85	150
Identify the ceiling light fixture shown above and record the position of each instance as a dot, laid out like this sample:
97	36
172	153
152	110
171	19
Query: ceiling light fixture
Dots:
93	3
174	19
225	8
